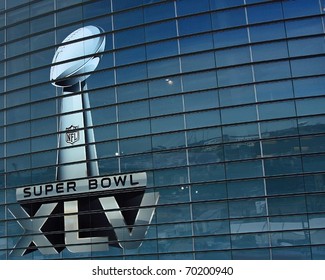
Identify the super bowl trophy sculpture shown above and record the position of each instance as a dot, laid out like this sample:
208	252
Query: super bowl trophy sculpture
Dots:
73	63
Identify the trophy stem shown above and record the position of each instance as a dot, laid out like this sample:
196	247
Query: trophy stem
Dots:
76	157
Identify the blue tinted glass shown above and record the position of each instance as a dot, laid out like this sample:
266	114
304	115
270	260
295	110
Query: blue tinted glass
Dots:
95	8
274	91
242	132
169	159
202	155
247	169
248	225
209	192
211	242
291	222
307	66
160	31
310	106
197	120
219	4
228	18
233	56
236	95
200	81
292	238
263	13
166	105
198	62
285	185
192	25
272	71
286	165
129	37
313	143
238	114
104	115
172	176
269	51
168	141
187	7
136	163
207	173
128	56
266	32
313	163
311	125
242	150
277	110
302	27
287	205
131	73
128	18
159	12
279	128
134	128
165	86
299	253
165	124
235	76
196	43
210	210
252	254
125	4
301	8
134	110
278	147
308	46
204	136
161	49
233	37
201	100
132	92
255	240
244	189
163	67
309	86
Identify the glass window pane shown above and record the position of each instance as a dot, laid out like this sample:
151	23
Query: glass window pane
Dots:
208	154
247	169
165	124
134	110
168	141
237	95
206	173
265	12
206	192
274	91
238	114
201	100
285	185
228	18
244	189
287	205
204	136
193	25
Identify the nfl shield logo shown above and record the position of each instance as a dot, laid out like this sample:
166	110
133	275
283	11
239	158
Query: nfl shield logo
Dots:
72	134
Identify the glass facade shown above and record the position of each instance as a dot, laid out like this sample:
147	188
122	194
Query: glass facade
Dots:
219	102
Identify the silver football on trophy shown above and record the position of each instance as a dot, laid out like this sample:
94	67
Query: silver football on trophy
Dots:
79	54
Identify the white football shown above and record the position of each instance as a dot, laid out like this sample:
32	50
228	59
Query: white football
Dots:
78	54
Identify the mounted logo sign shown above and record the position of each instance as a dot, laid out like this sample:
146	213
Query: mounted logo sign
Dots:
72	134
81	215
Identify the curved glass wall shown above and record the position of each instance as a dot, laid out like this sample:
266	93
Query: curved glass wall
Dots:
220	103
